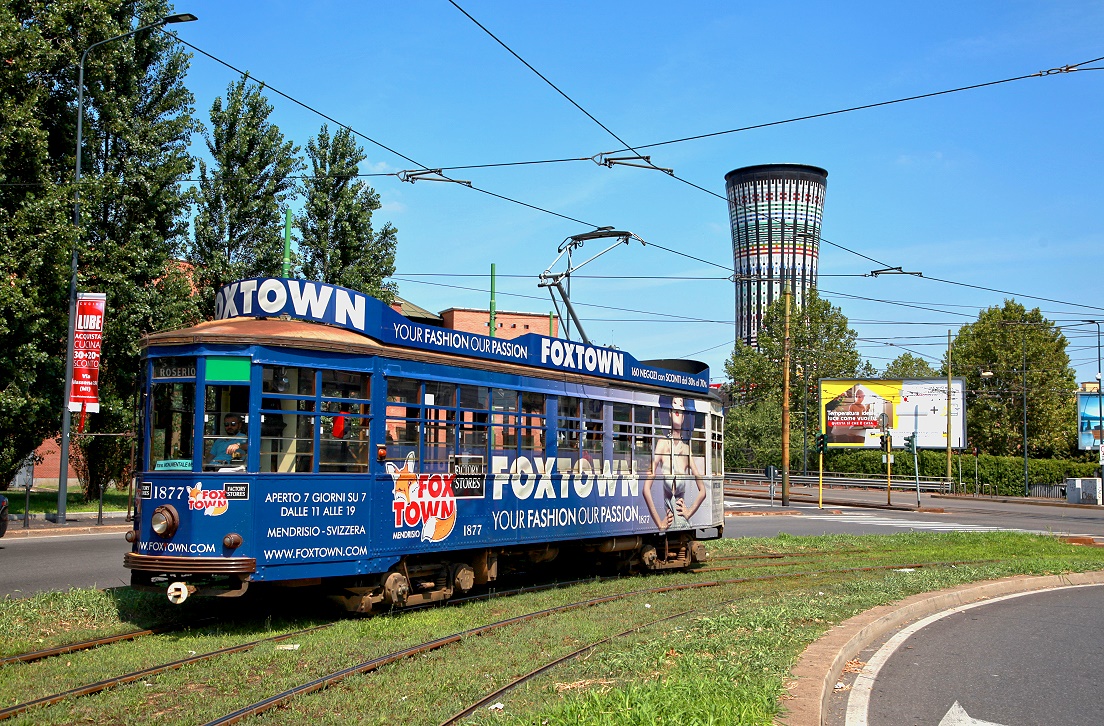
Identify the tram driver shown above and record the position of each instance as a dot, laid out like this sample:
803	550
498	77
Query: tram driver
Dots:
229	449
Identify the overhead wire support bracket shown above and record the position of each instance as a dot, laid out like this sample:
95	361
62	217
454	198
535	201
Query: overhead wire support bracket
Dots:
604	159
894	271
556	280
413	175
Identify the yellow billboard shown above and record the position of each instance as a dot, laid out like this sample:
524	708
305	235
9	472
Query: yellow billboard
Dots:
856	413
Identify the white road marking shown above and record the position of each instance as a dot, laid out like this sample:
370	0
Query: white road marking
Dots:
880	521
858	701
957	716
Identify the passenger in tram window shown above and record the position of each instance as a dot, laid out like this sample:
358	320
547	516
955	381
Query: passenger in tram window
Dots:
229	449
674	467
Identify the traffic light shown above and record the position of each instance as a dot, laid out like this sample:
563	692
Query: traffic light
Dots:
885	442
822	443
910	443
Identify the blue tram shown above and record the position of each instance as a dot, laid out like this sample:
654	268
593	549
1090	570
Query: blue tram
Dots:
311	435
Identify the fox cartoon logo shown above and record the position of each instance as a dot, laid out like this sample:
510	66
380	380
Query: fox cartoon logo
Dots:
212	502
424	499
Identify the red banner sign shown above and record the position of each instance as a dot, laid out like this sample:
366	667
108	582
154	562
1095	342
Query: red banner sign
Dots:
84	389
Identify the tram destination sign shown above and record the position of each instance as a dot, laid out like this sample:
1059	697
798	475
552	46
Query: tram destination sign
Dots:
333	305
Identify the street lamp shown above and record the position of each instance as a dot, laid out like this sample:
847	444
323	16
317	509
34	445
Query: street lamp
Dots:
63	474
1099	393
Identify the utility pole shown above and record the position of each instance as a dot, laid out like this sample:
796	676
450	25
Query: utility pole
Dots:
492	324
786	402
287	243
1027	486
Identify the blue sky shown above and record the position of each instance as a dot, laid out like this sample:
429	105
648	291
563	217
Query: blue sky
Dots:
998	187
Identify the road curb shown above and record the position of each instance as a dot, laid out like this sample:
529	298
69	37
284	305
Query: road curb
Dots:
820	666
67	529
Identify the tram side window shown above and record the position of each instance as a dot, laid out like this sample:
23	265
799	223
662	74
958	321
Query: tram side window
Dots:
475	401
172	426
569	432
403	418
287	380
344	444
595	426
643	438
622	437
698	439
504	407
532	425
440	425
288	419
718	445
225	427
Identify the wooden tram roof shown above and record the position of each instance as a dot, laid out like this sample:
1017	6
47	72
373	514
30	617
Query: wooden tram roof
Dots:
281	333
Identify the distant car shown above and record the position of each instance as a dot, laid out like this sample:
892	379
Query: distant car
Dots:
3	515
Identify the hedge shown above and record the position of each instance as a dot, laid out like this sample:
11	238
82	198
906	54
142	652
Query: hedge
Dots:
1003	475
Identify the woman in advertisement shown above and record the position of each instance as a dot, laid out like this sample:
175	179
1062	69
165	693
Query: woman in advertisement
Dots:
673	466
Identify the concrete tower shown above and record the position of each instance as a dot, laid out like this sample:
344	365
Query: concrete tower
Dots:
775	211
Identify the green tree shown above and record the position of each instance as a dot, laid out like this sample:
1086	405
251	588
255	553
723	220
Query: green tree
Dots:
908	365
339	245
822	345
997	344
133	215
36	236
243	194
137	125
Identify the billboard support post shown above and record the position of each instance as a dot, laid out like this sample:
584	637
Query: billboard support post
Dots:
821	447
916	465
786	401
949	477
889	467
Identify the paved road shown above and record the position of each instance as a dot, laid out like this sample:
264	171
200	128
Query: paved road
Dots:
1020	661
43	563
842	515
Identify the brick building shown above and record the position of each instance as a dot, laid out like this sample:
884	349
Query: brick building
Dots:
509	324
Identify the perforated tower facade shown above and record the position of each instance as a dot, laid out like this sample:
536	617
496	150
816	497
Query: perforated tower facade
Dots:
776	211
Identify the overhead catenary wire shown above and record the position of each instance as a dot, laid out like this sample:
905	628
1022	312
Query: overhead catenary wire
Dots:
1064	69
292	99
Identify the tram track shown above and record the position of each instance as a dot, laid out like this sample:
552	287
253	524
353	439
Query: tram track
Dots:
36	655
379	662
105	684
375	664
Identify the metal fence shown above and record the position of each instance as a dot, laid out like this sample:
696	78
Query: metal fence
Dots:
1047	491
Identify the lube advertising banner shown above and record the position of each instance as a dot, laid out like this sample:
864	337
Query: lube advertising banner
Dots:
855	413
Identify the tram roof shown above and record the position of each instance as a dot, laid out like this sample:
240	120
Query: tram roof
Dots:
319	316
300	334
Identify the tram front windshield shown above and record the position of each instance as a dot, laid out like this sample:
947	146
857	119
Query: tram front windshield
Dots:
225	427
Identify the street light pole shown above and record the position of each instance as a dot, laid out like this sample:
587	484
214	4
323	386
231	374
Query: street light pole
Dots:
1099	395
63	474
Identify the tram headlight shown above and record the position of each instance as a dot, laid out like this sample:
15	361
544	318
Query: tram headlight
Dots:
164	521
